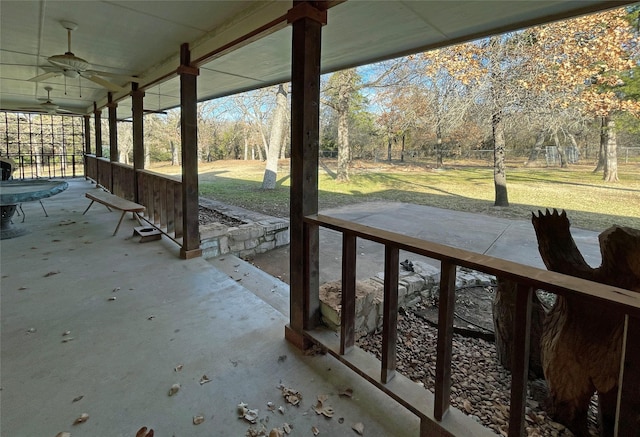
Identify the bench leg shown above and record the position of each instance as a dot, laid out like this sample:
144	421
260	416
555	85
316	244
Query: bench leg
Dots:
119	221
85	211
45	211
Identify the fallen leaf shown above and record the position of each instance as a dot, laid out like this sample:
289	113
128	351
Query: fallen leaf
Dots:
23	288
467	406
178	368
204	379
63	434
251	415
67	339
51	274
358	427
321	408
290	395
144	432
281	409
242	409
271	406
341	420
116	289
286	428
174	389
197	420
31	330
83	418
314	430
66	333
77	398
112	298
151	317
347	392
276	432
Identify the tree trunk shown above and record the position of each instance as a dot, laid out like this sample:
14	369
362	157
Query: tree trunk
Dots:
561	152
389	149
504	307
343	143
175	160
499	170
343	106
438	145
582	340
275	140
603	145
611	153
535	151
402	150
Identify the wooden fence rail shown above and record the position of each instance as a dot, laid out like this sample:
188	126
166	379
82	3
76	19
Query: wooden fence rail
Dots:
162	196
435	415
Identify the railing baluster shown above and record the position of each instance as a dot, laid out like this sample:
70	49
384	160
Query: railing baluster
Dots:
446	306
348	302
520	363
390	313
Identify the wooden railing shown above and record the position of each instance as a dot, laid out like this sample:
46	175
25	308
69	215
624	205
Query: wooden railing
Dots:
104	173
162	196
123	178
91	167
436	418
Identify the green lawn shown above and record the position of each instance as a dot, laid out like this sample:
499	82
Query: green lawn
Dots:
589	202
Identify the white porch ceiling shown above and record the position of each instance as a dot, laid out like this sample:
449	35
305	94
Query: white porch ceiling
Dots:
143	38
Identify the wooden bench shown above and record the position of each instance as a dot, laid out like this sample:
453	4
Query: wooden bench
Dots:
112	201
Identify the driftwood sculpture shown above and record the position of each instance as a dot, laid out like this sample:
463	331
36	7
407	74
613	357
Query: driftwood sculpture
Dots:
581	340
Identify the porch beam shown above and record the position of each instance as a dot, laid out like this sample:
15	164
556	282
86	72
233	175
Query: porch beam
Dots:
137	109
87	134
113	128
97	115
305	135
189	138
348	296
628	419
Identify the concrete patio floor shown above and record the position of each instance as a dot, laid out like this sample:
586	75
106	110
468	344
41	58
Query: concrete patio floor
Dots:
120	363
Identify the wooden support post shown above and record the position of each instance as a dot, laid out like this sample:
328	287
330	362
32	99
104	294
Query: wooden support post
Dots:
348	302
446	307
87	134
520	363
98	129
628	414
305	140
137	102
113	128
390	313
189	136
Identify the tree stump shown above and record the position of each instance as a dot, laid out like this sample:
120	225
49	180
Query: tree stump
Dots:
582	341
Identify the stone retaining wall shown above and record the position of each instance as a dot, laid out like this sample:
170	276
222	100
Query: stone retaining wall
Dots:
413	287
259	233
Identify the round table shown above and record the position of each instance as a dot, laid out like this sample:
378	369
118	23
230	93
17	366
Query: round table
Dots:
15	192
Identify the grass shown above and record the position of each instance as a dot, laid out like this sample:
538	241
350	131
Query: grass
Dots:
590	203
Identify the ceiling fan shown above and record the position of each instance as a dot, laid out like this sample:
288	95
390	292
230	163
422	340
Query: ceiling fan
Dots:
48	107
72	66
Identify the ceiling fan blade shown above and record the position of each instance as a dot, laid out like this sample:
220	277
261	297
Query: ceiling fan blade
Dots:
154	111
105	83
45	76
114	75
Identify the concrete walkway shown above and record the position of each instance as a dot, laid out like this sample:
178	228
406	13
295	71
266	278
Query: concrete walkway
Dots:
513	240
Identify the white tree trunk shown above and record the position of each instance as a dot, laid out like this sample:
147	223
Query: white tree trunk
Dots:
275	140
